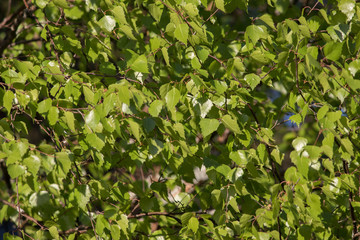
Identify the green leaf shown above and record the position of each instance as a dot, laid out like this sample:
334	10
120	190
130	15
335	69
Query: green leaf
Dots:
92	119
89	95
124	95
296	119
128	31
322	112
172	98
109	103
155	147
333	116
255	32
119	15
8	100
239	157
74	13
194	224
64	161
195	63
123	223
140	64
149	124
299	143
181	33
115	231
135	129
266	18
54	233
164	51
347	144
314	152
186	217
70	120
205	108
252	79
339	32
94	141
107	23
10	236
328	144
146	203
33	164
234	204
155	108
292	25
347	7
41	3
353	83
354	67
202	53
231	124
53	115
223	169
108	68
332	50
61	3
156	11
227	6
208	126
15	170
82	196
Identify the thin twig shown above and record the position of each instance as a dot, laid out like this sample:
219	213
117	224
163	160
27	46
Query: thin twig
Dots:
352	211
18	203
210	17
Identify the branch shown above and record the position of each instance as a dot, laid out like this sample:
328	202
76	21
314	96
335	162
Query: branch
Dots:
11	24
273	166
352	211
22	212
80	229
6	177
171	214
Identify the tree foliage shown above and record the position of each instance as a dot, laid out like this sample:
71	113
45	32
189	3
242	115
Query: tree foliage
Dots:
168	119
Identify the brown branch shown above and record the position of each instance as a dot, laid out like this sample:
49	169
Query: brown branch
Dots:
352	211
80	229
22	212
6	177
8	8
25	41
18	203
178	12
210	17
11	23
297	74
273	166
279	226
170	214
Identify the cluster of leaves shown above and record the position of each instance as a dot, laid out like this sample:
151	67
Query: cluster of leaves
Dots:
170	118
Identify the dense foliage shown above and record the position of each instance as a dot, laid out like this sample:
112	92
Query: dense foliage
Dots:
190	119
